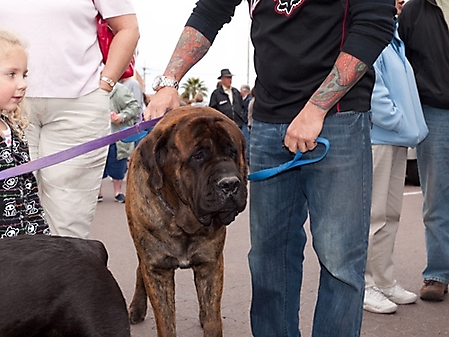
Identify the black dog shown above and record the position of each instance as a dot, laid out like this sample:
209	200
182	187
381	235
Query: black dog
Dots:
57	286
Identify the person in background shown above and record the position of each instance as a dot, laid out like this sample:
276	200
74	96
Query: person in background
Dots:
20	207
136	89
423	26
124	111
310	83
250	110
398	123
198	100
228	99
68	96
245	91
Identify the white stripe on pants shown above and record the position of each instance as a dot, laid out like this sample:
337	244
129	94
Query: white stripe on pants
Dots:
69	190
389	163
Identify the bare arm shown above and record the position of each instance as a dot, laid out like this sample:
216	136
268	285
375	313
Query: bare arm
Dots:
191	48
307	125
122	47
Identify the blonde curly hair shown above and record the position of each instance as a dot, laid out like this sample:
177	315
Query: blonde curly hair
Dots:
16	118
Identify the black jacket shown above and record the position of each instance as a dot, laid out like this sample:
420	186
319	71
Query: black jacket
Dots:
219	100
425	33
296	44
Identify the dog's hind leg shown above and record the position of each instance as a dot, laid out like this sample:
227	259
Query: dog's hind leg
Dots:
139	303
209	287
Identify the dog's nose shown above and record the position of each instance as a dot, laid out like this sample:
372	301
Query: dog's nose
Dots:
229	185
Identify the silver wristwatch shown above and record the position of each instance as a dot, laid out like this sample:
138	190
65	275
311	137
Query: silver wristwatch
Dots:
163	81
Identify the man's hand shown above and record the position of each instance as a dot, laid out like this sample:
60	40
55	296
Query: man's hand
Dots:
164	100
305	129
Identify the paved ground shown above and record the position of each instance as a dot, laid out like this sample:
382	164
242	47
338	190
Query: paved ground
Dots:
418	320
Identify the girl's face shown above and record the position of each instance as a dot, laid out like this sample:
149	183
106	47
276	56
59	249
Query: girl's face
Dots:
13	71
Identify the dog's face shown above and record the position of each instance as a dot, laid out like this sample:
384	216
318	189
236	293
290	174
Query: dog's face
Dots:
198	155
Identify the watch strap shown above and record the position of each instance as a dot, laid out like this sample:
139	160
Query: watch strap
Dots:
109	81
163	81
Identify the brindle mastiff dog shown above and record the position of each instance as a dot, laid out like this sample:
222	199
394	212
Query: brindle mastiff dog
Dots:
186	181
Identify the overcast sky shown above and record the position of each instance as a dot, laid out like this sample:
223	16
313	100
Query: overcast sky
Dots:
161	23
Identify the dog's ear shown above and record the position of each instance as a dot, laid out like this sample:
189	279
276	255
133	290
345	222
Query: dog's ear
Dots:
153	153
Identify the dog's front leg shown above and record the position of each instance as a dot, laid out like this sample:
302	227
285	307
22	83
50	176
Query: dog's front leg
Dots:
160	287
209	287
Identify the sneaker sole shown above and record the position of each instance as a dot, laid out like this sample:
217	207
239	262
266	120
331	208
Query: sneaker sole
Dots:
378	311
402	302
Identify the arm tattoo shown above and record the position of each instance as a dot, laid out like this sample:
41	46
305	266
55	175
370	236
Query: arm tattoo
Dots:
346	71
191	48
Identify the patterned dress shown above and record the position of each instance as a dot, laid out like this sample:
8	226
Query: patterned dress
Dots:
20	207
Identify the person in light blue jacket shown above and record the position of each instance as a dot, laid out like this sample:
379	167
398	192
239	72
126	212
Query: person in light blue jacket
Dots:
398	123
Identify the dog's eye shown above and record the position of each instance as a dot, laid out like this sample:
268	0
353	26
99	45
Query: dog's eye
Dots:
233	153
198	155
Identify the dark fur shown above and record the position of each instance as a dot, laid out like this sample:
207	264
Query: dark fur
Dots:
186	182
58	287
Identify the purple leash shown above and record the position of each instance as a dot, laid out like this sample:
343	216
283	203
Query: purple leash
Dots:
55	158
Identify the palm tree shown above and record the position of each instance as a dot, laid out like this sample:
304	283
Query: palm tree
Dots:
193	86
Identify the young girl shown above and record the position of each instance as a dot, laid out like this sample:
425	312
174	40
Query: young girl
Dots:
20	208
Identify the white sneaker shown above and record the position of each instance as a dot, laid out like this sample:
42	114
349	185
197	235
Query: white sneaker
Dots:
399	295
375	301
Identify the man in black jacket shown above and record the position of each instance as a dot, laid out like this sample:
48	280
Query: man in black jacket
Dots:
423	26
314	78
228	99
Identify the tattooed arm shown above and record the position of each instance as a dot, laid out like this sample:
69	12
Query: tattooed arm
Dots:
307	125
191	48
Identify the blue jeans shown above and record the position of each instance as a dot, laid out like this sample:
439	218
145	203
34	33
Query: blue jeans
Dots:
336	194
433	165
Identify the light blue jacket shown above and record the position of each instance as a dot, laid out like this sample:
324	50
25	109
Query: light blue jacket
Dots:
396	109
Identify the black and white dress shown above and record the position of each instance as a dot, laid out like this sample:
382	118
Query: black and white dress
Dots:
20	208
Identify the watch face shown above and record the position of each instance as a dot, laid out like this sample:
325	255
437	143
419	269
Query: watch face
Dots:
157	82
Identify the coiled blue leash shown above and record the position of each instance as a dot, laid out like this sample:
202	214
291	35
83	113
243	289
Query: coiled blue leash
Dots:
297	161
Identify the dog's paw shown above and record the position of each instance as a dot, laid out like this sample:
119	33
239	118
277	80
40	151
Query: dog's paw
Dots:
136	316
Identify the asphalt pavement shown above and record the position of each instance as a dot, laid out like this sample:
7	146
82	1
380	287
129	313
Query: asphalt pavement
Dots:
422	319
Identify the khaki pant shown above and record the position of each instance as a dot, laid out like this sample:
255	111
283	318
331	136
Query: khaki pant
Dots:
69	190
389	163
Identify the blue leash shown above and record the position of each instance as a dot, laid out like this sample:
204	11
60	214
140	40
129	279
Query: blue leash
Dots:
297	161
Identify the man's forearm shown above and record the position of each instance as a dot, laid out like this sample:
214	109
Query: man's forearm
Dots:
191	48
345	73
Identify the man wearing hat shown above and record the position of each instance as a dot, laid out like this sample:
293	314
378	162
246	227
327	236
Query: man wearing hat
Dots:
228	99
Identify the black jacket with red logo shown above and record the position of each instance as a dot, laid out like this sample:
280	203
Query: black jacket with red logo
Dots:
296	44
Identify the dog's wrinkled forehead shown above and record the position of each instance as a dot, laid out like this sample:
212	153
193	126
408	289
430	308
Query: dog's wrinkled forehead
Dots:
207	131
